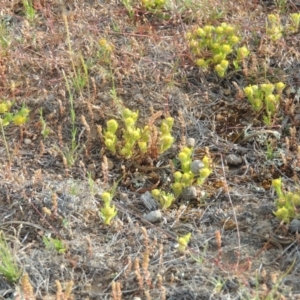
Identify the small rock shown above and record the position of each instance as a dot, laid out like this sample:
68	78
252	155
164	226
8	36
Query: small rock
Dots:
110	164
27	141
49	105
295	226
189	193
234	160
148	201
190	142
153	216
196	166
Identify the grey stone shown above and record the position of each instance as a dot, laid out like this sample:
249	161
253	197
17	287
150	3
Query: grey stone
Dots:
153	216
234	160
295	225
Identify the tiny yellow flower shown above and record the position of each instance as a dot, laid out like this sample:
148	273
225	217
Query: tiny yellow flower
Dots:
155	193
234	39
279	86
204	173
183	241
106	197
3	108
224	63
19	120
200	62
248	91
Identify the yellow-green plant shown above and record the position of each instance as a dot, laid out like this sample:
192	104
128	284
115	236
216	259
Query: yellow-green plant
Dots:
8	266
54	244
128	5
183	241
105	51
164	198
263	96
45	129
134	139
293	26
188	176
70	154
274	28
217	47
287	204
109	211
152	5
19	118
29	10
5	38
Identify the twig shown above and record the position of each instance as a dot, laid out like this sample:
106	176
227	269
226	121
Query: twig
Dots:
233	210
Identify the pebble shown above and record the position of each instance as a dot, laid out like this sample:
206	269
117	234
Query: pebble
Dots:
153	216
189	193
196	166
149	202
234	160
190	142
27	141
294	225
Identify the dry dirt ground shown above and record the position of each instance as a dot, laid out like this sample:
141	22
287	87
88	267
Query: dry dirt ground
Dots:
238	249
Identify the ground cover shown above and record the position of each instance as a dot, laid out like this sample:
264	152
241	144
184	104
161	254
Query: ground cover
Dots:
203	94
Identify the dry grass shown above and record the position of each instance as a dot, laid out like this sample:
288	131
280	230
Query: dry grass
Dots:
55	56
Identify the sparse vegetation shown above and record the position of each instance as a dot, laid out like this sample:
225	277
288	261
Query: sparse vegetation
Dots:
108	212
263	97
8	265
54	244
211	46
287	204
141	137
134	139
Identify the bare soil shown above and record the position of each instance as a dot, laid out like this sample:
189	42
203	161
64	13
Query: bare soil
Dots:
238	249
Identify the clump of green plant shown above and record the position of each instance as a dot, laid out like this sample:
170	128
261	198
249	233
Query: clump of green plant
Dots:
274	28
70	154
263	96
211	46
19	118
293	26
287	204
183	241
165	199
54	244
153	4
45	129
29	10
134	139
190	175
109	211
5	38
8	266
105	51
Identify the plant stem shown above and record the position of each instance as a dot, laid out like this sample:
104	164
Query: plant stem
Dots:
5	142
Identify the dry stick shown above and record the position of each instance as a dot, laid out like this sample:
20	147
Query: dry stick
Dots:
116	290
89	136
219	243
234	214
27	287
138	273
104	166
145	262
